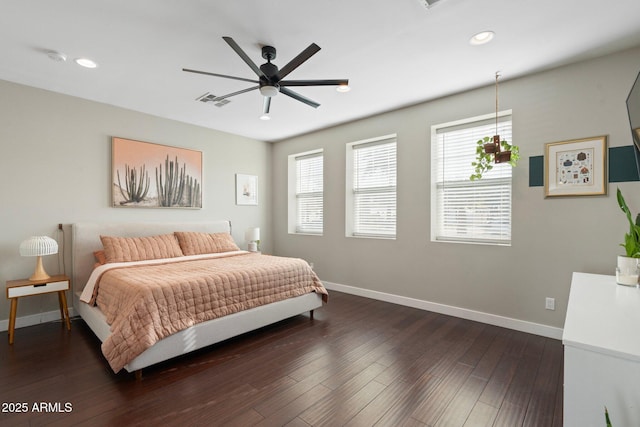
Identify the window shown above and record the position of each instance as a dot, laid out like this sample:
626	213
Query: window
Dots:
371	188
306	193
465	210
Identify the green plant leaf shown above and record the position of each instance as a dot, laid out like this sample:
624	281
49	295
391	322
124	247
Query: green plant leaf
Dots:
631	243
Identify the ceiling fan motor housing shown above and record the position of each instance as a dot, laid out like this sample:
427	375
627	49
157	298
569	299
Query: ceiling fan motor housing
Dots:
270	70
269	86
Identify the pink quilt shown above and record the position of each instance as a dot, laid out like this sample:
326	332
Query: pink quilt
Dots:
146	303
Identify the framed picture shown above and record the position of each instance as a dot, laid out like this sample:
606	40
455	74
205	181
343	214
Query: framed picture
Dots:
146	175
576	168
246	189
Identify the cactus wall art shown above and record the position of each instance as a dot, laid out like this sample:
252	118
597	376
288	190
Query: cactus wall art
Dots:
177	172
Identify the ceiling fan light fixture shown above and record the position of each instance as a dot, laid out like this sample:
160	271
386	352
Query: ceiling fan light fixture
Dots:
482	37
343	88
265	117
268	90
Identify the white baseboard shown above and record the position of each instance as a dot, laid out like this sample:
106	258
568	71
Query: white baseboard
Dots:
463	313
478	316
35	319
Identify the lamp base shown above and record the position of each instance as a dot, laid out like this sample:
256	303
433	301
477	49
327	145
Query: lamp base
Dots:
252	247
39	273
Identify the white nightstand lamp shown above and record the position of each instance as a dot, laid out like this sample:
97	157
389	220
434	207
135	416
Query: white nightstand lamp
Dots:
39	246
252	236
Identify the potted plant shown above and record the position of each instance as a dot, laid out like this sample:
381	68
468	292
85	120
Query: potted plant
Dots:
490	149
627	271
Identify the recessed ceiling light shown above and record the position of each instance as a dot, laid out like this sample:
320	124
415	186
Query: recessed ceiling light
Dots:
482	37
85	62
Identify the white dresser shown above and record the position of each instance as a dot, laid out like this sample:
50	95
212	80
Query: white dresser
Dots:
601	353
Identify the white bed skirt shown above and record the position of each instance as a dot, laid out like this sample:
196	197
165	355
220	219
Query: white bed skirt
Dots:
206	333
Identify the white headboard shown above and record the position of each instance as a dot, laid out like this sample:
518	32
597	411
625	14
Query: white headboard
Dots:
86	239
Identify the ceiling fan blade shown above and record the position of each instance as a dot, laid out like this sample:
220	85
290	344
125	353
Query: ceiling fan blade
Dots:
266	105
244	56
206	73
299	97
337	82
229	95
298	60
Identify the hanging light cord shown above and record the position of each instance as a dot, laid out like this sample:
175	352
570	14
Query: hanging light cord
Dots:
497	76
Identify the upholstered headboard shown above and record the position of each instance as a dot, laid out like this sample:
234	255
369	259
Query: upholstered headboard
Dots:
86	239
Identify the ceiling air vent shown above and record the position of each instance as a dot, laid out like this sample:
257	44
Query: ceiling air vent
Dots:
429	3
208	97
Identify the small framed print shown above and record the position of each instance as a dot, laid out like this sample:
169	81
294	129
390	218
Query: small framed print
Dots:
576	168
246	189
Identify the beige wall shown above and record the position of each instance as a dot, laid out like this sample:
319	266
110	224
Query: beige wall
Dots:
55	167
551	237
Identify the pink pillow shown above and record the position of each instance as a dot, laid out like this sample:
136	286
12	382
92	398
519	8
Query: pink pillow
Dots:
126	249
194	243
101	258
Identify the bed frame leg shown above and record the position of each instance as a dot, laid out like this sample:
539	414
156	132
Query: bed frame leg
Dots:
138	374
311	315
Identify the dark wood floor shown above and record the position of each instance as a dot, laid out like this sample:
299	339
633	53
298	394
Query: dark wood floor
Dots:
359	363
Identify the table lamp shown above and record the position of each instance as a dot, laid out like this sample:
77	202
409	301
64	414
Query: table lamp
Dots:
252	236
39	246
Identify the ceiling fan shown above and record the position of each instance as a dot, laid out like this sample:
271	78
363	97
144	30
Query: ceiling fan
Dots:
270	79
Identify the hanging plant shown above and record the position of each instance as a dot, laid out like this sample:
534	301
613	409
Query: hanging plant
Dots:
491	150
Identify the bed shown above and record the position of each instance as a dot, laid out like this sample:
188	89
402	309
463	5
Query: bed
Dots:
86	241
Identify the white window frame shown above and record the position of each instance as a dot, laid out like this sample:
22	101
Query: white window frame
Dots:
500	175
351	228
293	196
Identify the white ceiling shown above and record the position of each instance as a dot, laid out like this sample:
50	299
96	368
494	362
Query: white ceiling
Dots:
395	52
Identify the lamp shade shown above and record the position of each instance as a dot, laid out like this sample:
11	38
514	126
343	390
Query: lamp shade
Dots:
252	234
38	245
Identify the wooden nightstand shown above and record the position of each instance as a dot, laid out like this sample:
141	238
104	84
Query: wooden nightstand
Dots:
25	288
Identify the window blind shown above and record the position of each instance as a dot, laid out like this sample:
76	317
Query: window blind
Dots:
309	193
471	211
374	188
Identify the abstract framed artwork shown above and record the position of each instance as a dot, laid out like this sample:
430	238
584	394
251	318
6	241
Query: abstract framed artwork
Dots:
576	168
147	175
246	189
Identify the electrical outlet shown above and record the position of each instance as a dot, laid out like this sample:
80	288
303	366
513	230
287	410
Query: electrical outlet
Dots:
550	303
